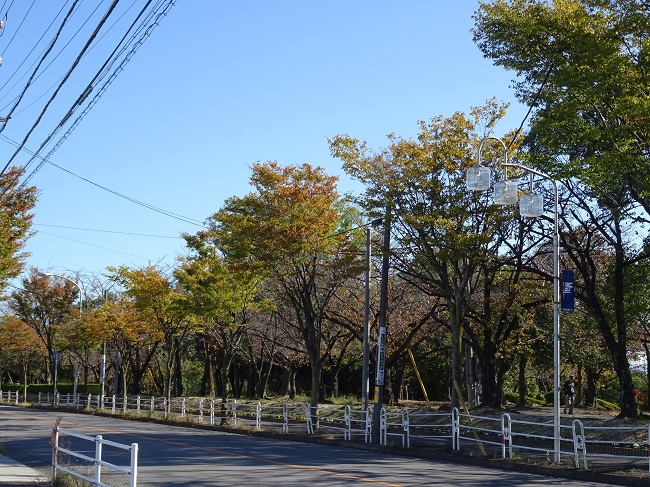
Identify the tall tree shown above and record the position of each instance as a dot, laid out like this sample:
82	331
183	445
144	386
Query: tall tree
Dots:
157	300
45	305
221	297
286	231
16	203
443	233
584	65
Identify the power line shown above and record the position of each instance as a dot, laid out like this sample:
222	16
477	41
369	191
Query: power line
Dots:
171	214
105	231
65	79
96	246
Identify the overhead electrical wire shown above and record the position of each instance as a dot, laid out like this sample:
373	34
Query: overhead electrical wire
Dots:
101	72
105	231
25	58
21	23
65	79
171	214
93	245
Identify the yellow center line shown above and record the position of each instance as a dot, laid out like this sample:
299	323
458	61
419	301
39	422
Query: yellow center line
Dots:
214	450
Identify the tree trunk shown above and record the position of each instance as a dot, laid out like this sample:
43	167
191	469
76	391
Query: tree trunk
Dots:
456	354
578	399
314	393
521	381
591	389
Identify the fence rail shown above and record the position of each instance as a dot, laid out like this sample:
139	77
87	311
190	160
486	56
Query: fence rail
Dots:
583	444
96	461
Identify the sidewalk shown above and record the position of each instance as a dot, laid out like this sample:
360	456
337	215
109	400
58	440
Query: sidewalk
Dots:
18	475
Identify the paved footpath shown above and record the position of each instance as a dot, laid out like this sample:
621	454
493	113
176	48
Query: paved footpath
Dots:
18	475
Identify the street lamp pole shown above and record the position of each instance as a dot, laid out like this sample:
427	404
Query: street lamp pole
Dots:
81	294
531	205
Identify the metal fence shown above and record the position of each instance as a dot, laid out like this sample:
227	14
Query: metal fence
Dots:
583	445
67	457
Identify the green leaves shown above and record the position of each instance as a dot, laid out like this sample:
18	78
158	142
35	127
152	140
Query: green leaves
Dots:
591	121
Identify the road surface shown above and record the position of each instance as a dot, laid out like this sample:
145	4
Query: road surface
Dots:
187	457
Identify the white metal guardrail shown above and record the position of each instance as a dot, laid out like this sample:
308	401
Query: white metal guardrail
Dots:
96	462
501	435
9	397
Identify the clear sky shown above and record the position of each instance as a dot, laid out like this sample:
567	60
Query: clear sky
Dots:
217	87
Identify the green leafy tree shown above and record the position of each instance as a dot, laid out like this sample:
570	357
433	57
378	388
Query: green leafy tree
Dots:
16	203
220	297
442	233
157	301
286	231
583	65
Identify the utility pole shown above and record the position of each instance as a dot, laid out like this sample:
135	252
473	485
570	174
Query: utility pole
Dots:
381	340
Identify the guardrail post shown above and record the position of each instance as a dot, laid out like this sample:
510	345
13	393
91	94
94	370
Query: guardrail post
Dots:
347	434
212	412
125	404
368	434
138	403
579	443
506	436
152	404
113	404
285	417
55	449
455	429
383	433
258	415
234	411
134	465
406	437
183	407
310	425
98	458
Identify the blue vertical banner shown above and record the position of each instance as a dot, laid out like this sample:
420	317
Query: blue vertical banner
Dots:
568	291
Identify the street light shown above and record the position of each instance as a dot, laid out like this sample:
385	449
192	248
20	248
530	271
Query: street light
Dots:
76	365
530	205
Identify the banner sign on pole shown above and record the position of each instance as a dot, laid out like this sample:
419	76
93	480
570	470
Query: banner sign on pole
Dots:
568	291
381	356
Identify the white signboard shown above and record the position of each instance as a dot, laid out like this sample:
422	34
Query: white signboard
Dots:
381	356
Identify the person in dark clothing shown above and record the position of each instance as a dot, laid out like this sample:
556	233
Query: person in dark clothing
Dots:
569	394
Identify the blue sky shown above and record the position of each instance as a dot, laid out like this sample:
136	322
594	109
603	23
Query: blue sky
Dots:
217	87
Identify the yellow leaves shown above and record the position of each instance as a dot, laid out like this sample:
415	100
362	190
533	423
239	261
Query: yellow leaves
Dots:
290	214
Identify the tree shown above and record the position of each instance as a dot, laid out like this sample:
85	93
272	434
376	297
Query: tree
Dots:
45	305
19	344
442	232
583	65
16	202
156	301
286	231
220	297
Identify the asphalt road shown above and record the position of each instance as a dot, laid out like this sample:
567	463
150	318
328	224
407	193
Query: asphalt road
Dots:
177	456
